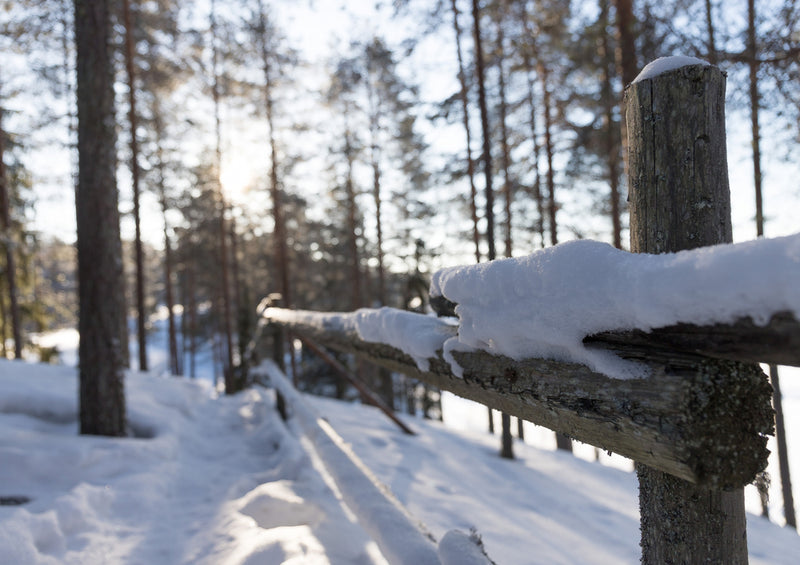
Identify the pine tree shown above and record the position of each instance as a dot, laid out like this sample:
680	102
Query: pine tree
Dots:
133	120
10	260
102	311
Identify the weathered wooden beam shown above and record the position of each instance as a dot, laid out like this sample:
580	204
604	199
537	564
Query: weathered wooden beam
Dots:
776	342
679	420
680	199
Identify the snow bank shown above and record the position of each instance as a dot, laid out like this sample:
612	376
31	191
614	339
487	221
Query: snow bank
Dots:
666	64
544	304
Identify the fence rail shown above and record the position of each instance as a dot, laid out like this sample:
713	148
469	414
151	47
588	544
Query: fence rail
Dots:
654	421
697	427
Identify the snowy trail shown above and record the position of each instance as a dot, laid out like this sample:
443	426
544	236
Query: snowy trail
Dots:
220	482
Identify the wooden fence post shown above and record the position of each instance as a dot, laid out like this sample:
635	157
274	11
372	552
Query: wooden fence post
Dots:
680	199
278	335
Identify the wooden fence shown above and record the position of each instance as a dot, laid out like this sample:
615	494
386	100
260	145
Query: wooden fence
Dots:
697	428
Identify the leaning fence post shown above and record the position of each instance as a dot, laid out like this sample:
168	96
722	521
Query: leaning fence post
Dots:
278	334
680	199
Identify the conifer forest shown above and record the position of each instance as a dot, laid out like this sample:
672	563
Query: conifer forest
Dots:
187	159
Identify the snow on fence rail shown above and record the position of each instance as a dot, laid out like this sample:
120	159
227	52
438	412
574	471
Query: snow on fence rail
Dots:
683	331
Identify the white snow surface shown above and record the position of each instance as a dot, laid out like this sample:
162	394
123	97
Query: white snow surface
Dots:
544	304
222	480
666	64
400	539
416	335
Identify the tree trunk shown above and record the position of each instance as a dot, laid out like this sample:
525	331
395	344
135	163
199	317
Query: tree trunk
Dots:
11	269
712	44
626	63
562	441
756	145
507	447
172	340
612	149
101	294
487	142
626	41
3	329
780	430
281	243
191	285
225	298
537	148
505	156
783	454
473	191
374	158
548	146
755	129
141	316
352	220
679	202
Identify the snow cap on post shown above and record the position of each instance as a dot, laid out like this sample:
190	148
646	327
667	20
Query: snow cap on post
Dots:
666	64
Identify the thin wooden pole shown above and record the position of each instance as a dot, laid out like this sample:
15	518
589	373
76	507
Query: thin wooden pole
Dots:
680	199
366	394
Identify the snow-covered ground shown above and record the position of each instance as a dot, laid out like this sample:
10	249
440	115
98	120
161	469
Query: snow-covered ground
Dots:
211	479
221	480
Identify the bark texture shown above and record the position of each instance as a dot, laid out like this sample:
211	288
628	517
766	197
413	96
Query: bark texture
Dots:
11	269
777	341
101	296
141	311
677	162
680	199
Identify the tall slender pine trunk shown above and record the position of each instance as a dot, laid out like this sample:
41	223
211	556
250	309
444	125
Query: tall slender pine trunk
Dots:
552	207
374	157
612	149
352	217
777	397
100	278
506	449
505	157
527	60
463	95
711	45
172	339
141	311
224	300
11	269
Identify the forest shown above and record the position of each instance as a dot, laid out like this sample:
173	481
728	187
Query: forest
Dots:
337	154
